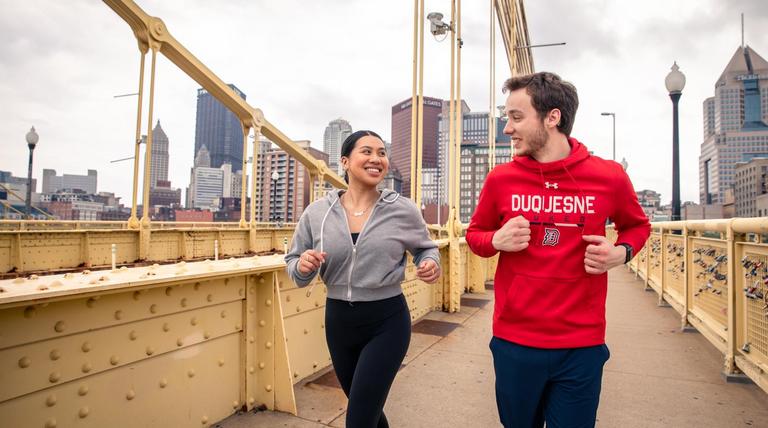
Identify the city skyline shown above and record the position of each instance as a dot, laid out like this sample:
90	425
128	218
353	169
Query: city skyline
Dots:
608	50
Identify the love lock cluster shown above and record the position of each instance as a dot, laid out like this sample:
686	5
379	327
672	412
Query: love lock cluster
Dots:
655	252
675	254
756	280
709	260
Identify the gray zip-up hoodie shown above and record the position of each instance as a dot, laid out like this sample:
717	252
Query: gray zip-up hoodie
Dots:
373	268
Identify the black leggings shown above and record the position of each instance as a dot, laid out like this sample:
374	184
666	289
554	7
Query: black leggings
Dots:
367	342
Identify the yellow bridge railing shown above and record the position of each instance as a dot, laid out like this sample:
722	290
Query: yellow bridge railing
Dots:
714	273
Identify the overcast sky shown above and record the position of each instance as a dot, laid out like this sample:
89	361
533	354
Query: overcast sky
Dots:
306	63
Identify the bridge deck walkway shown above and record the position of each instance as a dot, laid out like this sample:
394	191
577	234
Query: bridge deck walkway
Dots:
657	376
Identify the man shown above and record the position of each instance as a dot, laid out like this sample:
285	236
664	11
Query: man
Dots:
545	214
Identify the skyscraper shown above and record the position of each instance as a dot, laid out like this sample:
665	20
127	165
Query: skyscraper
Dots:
400	154
735	120
335	133
159	168
219	130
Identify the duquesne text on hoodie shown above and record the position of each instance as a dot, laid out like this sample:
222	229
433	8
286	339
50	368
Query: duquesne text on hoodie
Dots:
569	204
544	297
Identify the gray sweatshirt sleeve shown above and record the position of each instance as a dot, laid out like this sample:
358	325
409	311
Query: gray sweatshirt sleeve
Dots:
302	241
420	245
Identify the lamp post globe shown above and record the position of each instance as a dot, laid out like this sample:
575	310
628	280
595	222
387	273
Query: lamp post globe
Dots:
675	82
32	139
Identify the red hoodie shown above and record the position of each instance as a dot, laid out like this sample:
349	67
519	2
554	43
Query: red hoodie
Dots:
544	297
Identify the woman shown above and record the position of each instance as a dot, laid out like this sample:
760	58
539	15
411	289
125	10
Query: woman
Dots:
356	239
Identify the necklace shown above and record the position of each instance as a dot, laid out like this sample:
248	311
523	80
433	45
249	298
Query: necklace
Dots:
360	213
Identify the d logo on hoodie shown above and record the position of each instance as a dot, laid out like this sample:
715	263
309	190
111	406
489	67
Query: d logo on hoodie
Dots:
551	237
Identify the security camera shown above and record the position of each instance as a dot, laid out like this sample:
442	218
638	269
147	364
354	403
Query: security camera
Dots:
437	26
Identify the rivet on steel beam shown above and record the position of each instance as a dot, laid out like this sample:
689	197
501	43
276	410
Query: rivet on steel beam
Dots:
237	327
268	388
235	404
54	377
50	401
130	395
209	298
317	304
183	302
163	383
91	302
153	308
251	339
166	327
287	297
133	335
262	323
179	342
298	308
191	373
314	364
252	290
204	420
251	309
295	374
268	345
221	363
306	331
136	295
240	291
262	365
83	390
86	367
50	423
251	401
150	350
261	279
29	311
322	325
55	354
196	286
268	302
206	335
118	315
83	412
168	291
193	321
251	369
223	314
226	281
60	326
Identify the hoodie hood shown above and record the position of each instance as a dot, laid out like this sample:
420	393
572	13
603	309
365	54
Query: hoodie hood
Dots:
386	196
578	154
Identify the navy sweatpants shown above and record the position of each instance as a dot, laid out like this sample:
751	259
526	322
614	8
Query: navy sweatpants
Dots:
559	386
367	342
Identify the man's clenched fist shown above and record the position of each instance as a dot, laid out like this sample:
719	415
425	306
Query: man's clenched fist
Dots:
513	235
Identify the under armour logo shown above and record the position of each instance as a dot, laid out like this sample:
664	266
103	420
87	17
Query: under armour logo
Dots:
548	184
551	237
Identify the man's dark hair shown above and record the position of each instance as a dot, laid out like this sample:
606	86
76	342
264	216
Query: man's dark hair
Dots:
548	91
349	144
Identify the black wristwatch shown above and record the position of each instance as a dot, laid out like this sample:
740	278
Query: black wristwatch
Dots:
629	252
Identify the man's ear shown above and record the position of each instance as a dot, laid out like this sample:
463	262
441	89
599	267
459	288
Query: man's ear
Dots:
553	118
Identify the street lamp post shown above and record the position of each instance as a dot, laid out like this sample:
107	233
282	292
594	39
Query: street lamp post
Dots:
275	177
675	82
32	139
613	116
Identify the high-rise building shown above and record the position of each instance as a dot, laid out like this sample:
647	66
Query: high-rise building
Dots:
443	142
400	154
219	130
159	169
206	184
474	166
285	199
53	183
735	120
750	181
335	133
